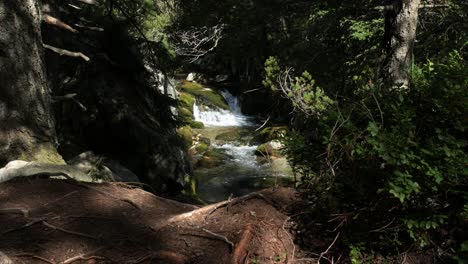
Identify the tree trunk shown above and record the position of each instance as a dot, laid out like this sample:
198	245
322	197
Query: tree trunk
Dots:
400	33
26	123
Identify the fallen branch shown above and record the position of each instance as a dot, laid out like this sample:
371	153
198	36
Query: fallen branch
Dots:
223	238
55	22
208	210
241	250
63	52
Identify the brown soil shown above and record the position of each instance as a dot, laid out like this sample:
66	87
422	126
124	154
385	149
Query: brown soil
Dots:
58	221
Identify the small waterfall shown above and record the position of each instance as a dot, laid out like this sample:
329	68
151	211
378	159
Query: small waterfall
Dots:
221	117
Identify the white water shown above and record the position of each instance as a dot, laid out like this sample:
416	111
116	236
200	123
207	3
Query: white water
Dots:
221	117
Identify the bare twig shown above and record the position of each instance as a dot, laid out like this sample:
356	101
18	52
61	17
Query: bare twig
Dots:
89	28
329	247
264	124
64	52
221	237
197	42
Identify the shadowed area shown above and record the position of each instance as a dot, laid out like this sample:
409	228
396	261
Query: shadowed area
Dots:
58	221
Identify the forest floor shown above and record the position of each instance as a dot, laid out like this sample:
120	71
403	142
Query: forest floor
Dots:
61	221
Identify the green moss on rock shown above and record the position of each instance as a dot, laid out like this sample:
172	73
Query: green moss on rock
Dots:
197	124
202	148
208	95
186	134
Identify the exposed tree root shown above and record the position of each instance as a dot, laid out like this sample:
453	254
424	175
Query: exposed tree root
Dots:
86	256
240	252
68	231
168	256
28	255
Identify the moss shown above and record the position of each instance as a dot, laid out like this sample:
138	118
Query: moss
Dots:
186	100
186	134
197	124
201	148
44	153
235	136
210	96
185	114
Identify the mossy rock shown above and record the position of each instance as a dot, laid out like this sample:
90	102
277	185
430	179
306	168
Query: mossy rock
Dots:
185	114
197	124
202	148
186	100
272	133
186	134
208	95
235	136
212	158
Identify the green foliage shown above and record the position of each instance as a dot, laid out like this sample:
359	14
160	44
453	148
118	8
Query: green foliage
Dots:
307	96
407	151
272	72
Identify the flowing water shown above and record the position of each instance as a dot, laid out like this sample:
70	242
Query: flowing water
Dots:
242	172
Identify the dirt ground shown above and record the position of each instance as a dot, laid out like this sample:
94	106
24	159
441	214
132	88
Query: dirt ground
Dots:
60	221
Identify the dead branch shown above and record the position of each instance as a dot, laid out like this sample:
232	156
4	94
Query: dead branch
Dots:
89	2
208	210
63	52
23	211
197	42
55	22
89	28
329	247
74	6
241	250
223	238
71	97
44	222
34	257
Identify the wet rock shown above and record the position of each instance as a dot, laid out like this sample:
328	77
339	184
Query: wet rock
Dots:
270	149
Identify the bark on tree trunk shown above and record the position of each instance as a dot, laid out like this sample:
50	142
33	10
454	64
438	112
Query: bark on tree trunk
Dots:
400	33
26	123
